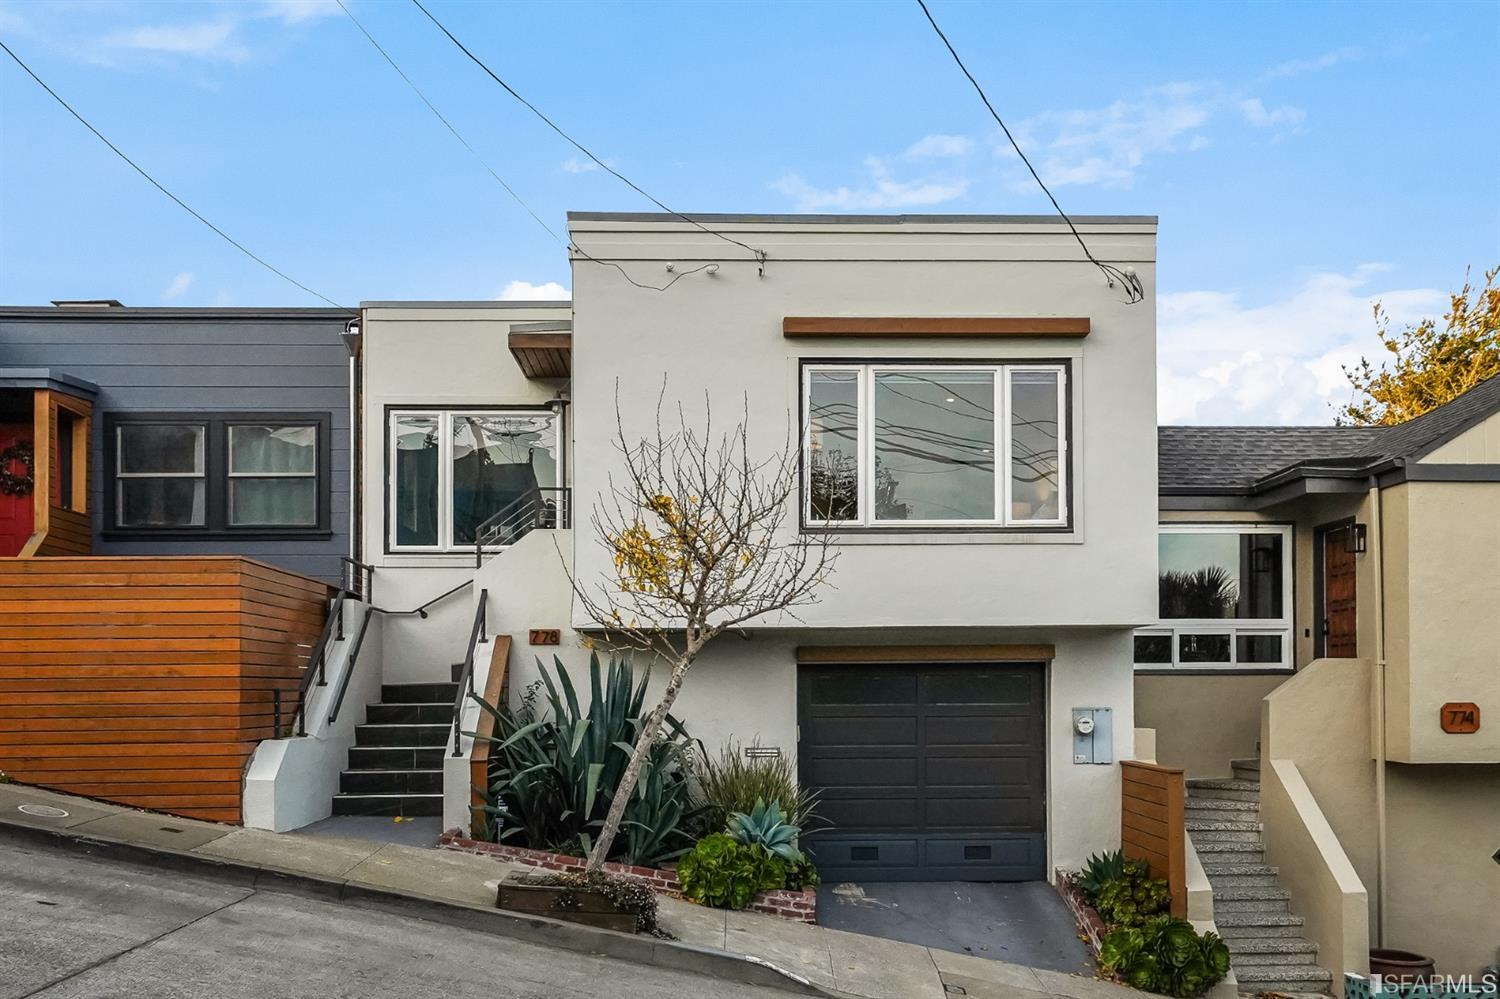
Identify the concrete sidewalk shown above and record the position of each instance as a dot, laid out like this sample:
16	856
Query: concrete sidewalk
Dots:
459	889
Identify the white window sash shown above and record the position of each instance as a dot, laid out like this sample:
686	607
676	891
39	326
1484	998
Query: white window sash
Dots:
1003	445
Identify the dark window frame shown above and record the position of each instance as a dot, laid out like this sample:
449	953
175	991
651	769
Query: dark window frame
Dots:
216	474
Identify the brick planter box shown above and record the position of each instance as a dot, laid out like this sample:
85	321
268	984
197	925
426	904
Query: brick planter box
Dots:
800	906
1084	915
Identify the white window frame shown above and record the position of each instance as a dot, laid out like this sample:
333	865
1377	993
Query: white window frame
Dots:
445	418
201	474
1002	375
1175	628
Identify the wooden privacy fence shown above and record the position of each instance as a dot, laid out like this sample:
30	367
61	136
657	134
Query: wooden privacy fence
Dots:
1151	824
479	757
148	681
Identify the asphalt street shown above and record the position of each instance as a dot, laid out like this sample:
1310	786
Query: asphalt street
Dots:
74	926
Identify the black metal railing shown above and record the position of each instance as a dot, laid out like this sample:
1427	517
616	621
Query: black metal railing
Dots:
358	578
348	674
466	676
543	508
317	666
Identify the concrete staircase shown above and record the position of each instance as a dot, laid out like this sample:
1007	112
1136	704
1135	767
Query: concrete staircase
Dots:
1253	913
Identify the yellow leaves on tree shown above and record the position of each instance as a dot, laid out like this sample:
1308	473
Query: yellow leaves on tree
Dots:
671	539
1432	364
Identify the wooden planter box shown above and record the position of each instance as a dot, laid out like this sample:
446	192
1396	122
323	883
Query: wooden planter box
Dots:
519	893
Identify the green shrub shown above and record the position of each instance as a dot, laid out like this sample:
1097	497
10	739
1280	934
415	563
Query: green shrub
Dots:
726	874
801	874
733	783
554	768
1100	869
764	826
1166	956
1132	898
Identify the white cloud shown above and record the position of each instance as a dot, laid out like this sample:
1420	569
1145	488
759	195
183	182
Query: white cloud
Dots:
205	40
940	146
882	193
525	291
1256	114
1108	145
1297	67
178	287
300	11
575	165
1222	360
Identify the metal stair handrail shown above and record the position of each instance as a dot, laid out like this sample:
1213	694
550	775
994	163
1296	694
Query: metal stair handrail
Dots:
540	508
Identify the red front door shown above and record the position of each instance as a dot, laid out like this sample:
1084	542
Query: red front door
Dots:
16	512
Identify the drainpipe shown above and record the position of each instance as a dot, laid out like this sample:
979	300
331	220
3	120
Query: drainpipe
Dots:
1377	534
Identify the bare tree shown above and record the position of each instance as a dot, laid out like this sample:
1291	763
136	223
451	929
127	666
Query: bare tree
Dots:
702	538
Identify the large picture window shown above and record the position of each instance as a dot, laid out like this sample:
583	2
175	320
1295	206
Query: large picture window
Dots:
450	471
904	445
216	473
1224	599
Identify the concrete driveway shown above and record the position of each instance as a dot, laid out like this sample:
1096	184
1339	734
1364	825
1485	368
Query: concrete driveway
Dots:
1024	923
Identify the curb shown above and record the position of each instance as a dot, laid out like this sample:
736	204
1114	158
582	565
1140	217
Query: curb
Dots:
719	964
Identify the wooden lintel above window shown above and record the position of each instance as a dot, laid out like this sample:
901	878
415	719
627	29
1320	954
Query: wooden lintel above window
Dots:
925	653
543	355
928	326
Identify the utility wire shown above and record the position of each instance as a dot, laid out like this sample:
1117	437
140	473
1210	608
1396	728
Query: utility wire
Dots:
1132	284
760	255
564	244
157	184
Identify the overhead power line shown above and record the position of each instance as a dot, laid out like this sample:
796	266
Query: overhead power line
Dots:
564	244
157	184
760	255
1131	283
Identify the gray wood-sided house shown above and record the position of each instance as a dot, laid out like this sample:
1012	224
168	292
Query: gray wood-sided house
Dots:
175	431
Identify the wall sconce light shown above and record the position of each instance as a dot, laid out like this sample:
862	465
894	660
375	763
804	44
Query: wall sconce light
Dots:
1356	539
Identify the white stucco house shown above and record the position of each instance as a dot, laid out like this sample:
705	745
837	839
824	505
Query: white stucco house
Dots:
989	401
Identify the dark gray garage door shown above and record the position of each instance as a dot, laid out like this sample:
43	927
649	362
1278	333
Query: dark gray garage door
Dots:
929	773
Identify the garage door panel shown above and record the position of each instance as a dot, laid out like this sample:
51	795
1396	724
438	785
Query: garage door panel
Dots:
993	771
861	730
967	731
971	687
849	688
875	813
927	772
857	772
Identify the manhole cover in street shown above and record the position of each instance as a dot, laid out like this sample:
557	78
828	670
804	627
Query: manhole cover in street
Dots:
43	811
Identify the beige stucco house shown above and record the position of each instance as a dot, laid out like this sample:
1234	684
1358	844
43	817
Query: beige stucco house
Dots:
1330	605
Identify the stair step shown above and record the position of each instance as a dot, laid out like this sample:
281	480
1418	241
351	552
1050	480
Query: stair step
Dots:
1283	978
401	735
1222	811
1222	784
1255	951
391	782
1218	831
396	757
1246	906
1250	893
1210	868
1196	804
411	693
1246	763
431	712
1238	853
388	804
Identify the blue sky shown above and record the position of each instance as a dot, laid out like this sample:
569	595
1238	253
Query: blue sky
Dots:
1304	158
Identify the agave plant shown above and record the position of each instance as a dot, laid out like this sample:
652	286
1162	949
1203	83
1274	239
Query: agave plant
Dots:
1099	870
555	766
766	827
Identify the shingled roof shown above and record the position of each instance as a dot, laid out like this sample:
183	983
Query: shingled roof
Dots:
1242	460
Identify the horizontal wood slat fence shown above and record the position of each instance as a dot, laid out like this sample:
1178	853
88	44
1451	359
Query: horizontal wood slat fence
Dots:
148	681
1152	824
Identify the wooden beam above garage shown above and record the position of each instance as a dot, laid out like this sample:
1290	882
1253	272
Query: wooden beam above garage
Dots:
925	653
929	326
543	354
